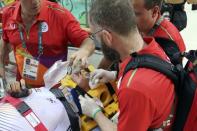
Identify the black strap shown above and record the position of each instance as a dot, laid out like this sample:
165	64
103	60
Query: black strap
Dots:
152	62
110	88
192	59
73	117
157	24
195	70
171	49
191	56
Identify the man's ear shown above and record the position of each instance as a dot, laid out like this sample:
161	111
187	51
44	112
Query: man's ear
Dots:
107	37
155	11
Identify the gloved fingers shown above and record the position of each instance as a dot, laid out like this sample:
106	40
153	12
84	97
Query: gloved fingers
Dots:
109	75
81	98
114	74
98	74
88	98
82	102
96	71
92	74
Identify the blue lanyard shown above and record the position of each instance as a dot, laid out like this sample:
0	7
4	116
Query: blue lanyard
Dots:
40	47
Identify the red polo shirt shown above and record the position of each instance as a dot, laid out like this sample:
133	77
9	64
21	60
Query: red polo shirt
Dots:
167	30
58	28
145	100
61	28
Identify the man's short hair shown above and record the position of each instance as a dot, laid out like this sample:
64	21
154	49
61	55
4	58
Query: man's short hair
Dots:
115	15
149	4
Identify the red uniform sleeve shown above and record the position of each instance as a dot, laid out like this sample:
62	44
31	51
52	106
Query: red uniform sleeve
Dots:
169	31
4	35
75	34
136	110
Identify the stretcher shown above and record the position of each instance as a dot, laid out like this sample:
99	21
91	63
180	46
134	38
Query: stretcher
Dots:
103	93
108	99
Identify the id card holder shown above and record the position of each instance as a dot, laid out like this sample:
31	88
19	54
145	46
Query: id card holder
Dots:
30	68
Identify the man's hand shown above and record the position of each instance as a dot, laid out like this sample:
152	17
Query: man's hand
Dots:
102	76
4	56
89	106
91	109
17	89
79	58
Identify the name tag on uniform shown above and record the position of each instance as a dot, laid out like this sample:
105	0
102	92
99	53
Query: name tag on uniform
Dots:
30	68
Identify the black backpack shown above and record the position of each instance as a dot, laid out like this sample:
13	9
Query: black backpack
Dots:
176	14
185	86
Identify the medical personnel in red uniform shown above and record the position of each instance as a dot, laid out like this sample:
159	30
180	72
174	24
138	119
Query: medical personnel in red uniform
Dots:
39	32
150	23
145	96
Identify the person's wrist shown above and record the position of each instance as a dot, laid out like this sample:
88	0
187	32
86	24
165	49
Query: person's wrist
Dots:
85	52
96	112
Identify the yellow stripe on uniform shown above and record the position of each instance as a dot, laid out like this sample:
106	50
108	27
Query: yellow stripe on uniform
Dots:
131	77
166	32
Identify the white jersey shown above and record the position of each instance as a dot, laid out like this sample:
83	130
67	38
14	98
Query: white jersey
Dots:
44	104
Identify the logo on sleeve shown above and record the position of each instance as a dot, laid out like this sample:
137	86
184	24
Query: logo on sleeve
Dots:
44	27
12	26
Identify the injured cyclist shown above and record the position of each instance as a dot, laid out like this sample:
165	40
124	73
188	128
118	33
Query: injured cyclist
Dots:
46	108
41	110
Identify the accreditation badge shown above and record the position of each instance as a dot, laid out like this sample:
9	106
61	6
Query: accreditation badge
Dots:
30	68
